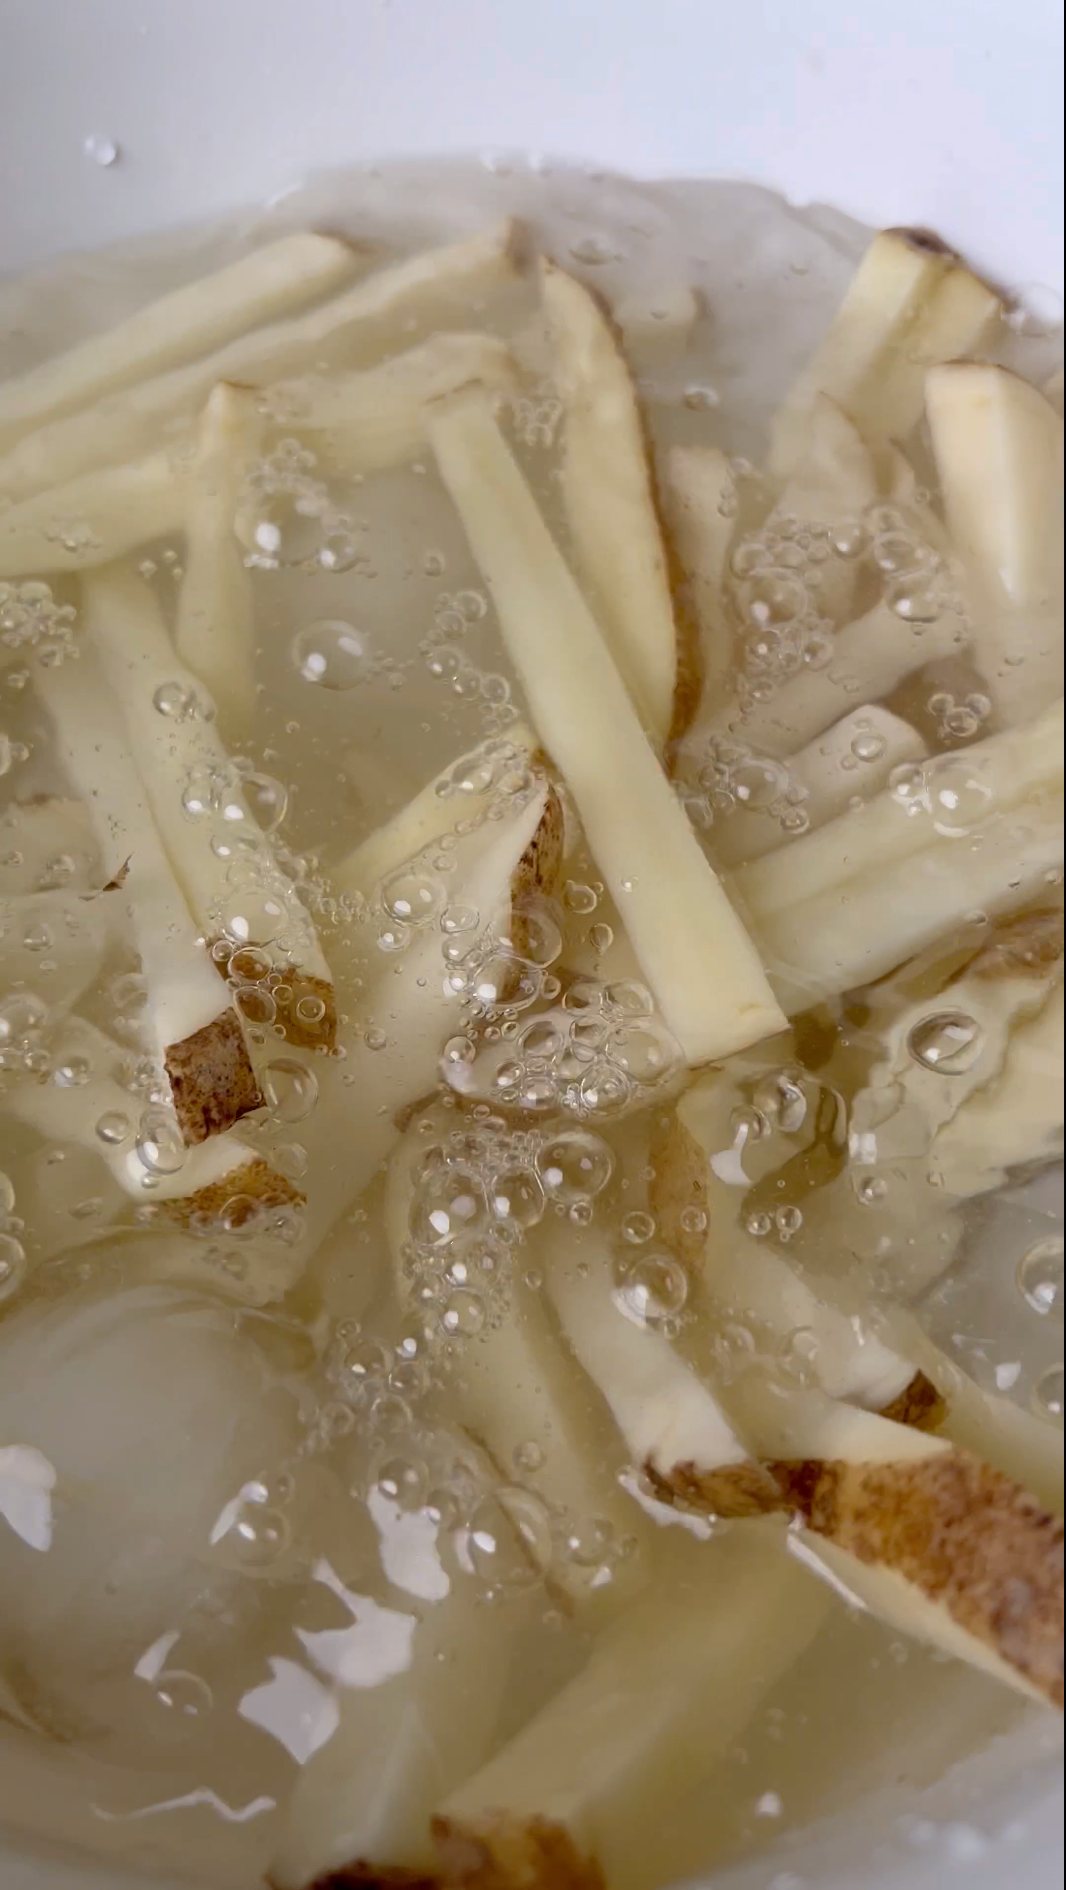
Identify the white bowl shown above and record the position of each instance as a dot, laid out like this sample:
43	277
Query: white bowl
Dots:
942	112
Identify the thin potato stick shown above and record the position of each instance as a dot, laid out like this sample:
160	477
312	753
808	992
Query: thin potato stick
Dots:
998	449
435	286
94	519
607	493
189	321
194	1030
179	755
213	633
692	948
582	1790
849	762
699	499
910	303
834	478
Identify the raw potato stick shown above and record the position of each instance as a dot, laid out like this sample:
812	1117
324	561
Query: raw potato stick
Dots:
607	495
850	761
175	749
575	1800
998	449
870	659
911	302
189	321
1015	1121
194	1030
693	951
367	420
214	633
834	478
699	499
94	519
358	325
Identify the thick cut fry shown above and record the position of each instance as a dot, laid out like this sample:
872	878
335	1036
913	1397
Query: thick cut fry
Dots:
834	478
998	448
462	792
870	659
578	1798
607	493
94	519
369	420
213	633
910	303
954	1549
193	1029
361	324
177	752
952	797
187	322
699	500
692	948
849	762
673	1425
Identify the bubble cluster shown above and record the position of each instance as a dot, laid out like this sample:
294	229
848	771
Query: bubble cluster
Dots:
32	622
289	518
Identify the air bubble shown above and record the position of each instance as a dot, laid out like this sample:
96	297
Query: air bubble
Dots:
290	1089
868	745
655	1288
113	1127
517	1197
332	654
575	1165
266	800
176	701
1047	1393
12	1266
253	918
510	1539
948	1042
159	1145
637	1227
101	151
413	898
1040	1276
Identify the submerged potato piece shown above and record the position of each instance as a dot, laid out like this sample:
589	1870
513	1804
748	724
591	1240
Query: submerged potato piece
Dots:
608	498
998	449
1017	1118
93	519
213	632
834	478
366	420
48	843
200	315
910	303
585	1787
699	501
358	325
186	999
701	967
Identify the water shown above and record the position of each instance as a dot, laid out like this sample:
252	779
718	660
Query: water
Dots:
279	1469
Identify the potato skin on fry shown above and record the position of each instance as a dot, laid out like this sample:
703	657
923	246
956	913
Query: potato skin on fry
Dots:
212	1079
506	1853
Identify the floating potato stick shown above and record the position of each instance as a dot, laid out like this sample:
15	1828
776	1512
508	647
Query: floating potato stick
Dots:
93	519
702	969
358	325
214	633
189	321
192	1028
998	449
910	303
608	497
180	758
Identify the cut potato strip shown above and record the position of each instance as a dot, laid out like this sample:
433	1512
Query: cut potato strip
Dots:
698	493
1017	1120
192	1027
980	1557
71	931
358	325
849	762
416	1008
48	843
870	659
950	798
94	519
513	1386
998	449
693	951
834	479
607	494
187	322
362	1803
180	758
367	421
910	303
461	793
579	1796
213	633
868	925
673	1426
